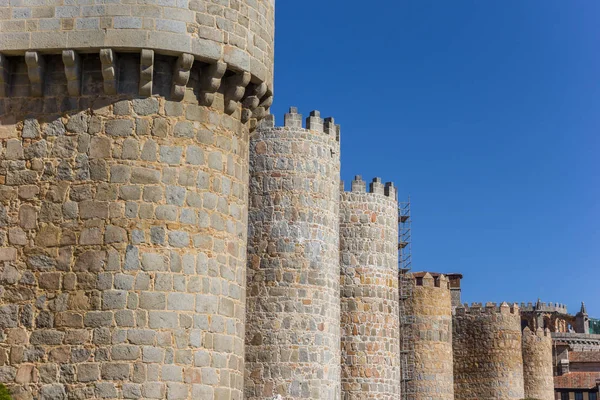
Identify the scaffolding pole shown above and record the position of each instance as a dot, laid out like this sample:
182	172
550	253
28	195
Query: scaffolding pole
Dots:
407	349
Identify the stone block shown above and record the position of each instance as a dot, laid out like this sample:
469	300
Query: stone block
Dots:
119	127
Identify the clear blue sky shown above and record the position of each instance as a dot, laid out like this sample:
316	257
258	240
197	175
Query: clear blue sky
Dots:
486	113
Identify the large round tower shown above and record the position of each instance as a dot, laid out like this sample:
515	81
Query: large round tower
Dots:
293	322
124	131
488	364
369	292
431	308
537	364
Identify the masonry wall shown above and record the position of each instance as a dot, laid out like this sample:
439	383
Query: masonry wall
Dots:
538	364
238	32
123	207
293	328
369	288
431	308
488	362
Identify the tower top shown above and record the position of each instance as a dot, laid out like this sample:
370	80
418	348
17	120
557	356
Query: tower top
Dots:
239	34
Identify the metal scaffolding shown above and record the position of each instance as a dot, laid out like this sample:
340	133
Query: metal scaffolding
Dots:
407	347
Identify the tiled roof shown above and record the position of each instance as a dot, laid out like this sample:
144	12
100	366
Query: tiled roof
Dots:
577	380
584	356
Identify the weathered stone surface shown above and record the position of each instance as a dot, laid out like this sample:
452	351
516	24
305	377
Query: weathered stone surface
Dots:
488	361
369	293
431	307
293	267
537	364
102	256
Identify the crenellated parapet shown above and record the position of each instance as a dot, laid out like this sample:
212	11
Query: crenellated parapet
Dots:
489	308
369	291
313	125
488	360
544	307
430	308
293	279
538	364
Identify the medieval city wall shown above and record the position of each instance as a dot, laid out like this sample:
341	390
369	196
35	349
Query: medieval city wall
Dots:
488	360
537	364
238	32
431	309
369	292
123	201
293	284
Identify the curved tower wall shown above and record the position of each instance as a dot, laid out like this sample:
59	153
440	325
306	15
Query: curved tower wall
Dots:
123	202
293	321
431	308
537	364
238	32
369	289
488	363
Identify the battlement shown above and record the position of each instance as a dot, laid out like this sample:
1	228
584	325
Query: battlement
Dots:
544	307
431	280
539	332
142	74
314	123
488	308
375	187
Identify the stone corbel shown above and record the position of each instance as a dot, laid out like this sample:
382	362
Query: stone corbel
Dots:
181	75
210	82
146	72
35	71
252	101
108	57
236	87
262	110
72	64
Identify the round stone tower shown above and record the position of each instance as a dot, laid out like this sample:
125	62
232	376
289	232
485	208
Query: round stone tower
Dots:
293	303
124	132
431	308
369	292
537	364
488	364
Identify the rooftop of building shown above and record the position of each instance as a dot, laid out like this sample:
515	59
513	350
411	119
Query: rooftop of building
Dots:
584	356
577	380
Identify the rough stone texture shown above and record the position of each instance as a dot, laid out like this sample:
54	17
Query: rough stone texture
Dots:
488	362
293	296
240	32
537	364
431	308
125	270
369	292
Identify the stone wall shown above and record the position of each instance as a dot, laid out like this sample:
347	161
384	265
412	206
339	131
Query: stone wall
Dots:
369	288
488	362
238	32
124	223
293	321
431	308
537	364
